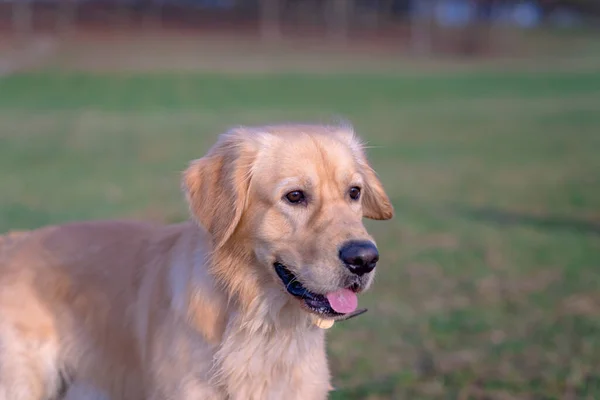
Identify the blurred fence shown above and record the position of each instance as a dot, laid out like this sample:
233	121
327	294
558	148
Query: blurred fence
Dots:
415	22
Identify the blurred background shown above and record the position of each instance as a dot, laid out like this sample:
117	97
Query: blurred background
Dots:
482	119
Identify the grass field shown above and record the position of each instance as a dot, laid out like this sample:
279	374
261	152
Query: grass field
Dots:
489	283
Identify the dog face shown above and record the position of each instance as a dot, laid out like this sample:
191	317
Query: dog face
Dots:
295	195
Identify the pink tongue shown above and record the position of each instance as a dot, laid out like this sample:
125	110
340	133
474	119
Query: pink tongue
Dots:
343	301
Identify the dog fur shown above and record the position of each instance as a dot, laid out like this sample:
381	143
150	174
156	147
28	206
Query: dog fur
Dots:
123	310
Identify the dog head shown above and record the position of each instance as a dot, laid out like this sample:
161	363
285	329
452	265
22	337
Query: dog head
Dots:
295	195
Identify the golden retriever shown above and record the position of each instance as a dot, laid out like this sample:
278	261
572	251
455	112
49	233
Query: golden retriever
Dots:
230	305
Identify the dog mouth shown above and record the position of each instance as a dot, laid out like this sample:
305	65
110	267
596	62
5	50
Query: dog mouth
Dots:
340	304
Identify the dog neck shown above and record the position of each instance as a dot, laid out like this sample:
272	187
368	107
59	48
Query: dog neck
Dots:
227	282
269	343
262	344
259	359
252	291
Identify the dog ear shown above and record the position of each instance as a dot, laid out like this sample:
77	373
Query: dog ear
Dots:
216	186
376	203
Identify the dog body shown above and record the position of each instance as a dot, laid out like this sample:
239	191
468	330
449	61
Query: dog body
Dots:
221	307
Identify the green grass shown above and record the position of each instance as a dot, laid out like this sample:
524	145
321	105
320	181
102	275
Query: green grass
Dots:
488	286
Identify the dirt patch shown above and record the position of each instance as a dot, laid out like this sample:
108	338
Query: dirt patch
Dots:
495	288
15	58
582	304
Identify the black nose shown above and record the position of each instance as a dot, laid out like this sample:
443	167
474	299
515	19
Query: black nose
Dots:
360	257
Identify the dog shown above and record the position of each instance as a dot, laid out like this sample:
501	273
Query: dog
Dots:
231	304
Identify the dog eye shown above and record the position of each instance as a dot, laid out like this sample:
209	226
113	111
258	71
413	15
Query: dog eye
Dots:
295	197
354	193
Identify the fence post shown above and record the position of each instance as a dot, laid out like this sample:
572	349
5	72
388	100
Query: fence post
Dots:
339	19
67	15
22	19
270	24
421	15
152	18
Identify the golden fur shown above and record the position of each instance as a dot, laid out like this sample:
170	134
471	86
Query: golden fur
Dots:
127	310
